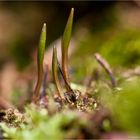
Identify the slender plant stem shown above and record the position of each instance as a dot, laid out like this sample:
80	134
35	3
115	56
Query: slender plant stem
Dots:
40	57
55	72
43	93
66	82
107	68
65	44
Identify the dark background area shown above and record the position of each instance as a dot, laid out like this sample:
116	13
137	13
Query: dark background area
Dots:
23	21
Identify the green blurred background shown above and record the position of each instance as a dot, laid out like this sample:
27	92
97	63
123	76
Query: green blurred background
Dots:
98	26
111	28
21	23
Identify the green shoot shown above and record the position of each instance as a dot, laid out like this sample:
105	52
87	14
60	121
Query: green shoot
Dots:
55	72
65	43
40	57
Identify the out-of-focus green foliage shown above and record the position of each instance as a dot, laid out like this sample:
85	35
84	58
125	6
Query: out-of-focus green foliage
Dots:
124	105
20	53
120	104
123	49
39	125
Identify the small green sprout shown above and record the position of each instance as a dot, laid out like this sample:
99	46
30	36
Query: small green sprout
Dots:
55	72
65	44
69	95
40	57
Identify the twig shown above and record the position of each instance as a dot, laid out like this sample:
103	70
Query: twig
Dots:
107	68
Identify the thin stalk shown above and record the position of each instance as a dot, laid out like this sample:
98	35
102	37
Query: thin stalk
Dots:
65	44
107	68
43	93
69	94
66	83
40	57
55	72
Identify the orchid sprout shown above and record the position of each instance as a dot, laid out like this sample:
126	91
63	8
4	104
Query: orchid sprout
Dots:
40	57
